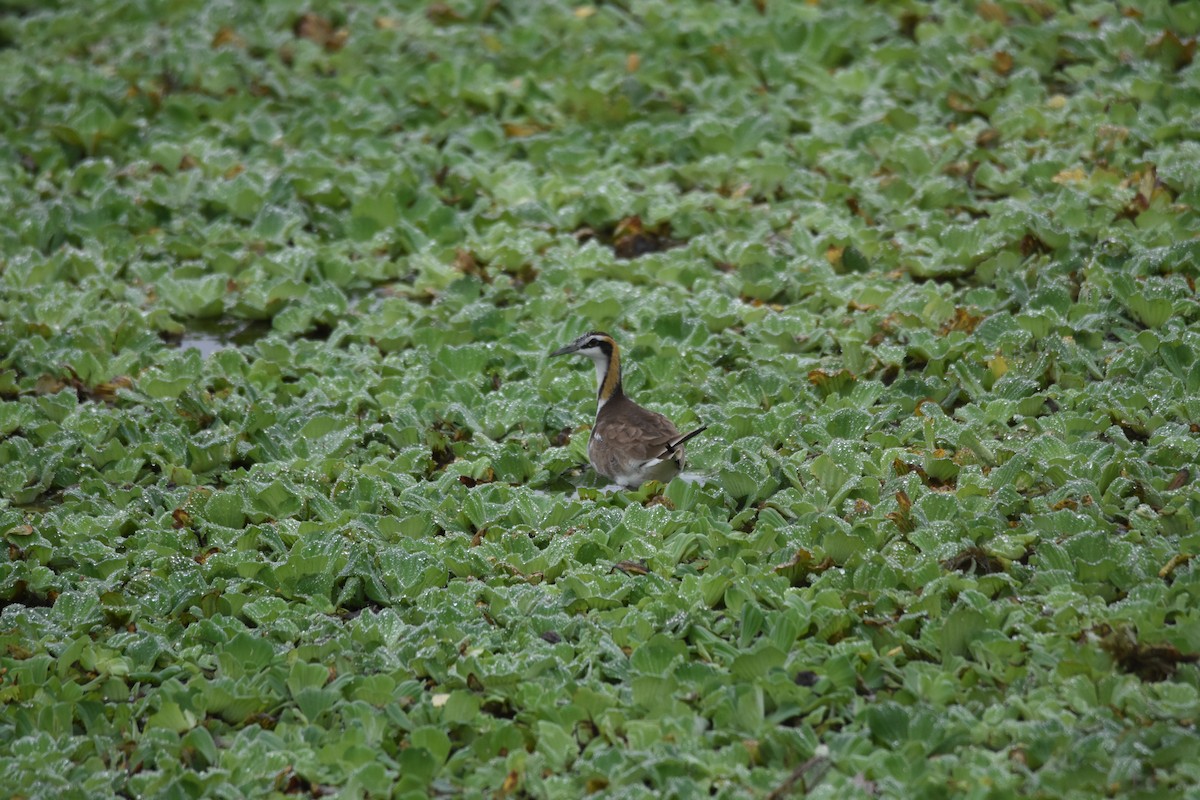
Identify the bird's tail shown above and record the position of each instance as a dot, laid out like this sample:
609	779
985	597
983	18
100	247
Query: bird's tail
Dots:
678	443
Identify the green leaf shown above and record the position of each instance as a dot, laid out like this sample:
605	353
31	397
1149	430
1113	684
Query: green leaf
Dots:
172	717
556	744
434	741
754	665
275	500
462	707
961	627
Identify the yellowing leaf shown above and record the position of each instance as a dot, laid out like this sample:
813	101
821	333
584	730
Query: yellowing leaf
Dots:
1073	175
519	130
992	12
512	780
227	36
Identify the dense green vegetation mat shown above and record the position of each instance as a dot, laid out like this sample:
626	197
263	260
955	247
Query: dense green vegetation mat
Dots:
291	496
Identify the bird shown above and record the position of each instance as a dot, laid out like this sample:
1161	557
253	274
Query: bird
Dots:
629	444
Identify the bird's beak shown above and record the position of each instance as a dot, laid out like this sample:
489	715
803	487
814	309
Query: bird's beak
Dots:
562	351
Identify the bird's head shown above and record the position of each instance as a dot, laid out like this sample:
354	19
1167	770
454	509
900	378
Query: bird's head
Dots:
595	345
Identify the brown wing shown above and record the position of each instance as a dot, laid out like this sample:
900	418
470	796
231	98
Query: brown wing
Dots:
631	445
625	426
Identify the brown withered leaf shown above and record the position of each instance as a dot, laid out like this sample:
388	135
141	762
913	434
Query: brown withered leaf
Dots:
202	557
1072	175
974	560
48	384
861	508
511	781
288	781
320	30
107	390
1167	48
960	103
632	238
1031	244
1150	662
1176	561
1180	480
522	130
181	519
992	12
313	27
962	320
522	275
1041	8
827	383
471	483
466	263
440	13
856	210
902	516
1110	136
226	35
1002	62
262	720
988	137
1148	187
631	567
338	40
800	565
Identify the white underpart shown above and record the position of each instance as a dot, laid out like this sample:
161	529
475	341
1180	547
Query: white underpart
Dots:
622	482
652	469
597	357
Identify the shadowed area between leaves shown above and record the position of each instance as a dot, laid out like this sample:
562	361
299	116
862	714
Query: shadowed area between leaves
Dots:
1150	662
631	238
213	335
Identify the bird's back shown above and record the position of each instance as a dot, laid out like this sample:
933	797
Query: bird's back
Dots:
627	436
